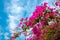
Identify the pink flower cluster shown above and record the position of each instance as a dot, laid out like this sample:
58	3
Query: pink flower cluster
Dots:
40	22
57	3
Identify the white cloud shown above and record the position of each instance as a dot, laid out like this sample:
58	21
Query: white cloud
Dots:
13	22
14	14
15	9
6	36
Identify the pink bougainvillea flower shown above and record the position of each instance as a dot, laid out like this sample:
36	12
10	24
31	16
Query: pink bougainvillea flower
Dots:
23	26
30	39
12	38
55	24
33	18
45	4
26	18
36	30
36	14
41	38
41	24
20	22
25	23
40	10
51	8
57	29
46	16
53	14
21	19
30	23
58	18
57	3
35	37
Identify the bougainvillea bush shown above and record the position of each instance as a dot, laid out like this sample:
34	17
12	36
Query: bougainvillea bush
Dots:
44	24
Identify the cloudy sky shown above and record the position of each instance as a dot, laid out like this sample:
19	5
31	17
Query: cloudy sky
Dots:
12	10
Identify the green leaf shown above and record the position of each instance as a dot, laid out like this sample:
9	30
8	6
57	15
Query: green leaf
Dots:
49	38
27	28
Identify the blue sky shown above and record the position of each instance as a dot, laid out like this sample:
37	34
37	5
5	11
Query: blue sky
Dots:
11	11
3	22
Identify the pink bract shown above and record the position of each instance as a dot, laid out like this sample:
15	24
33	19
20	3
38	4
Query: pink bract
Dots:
57	3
